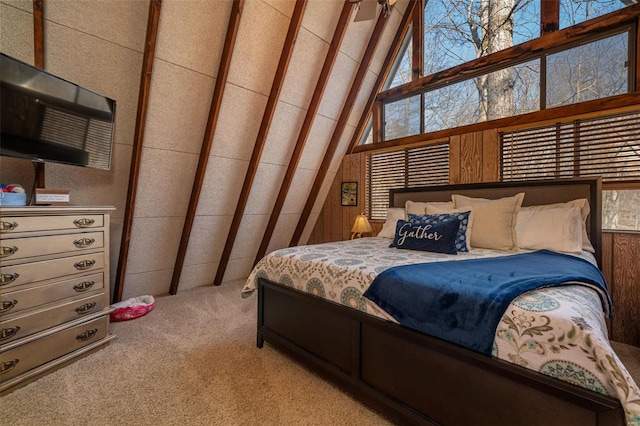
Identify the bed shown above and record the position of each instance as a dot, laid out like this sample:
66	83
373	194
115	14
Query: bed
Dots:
415	378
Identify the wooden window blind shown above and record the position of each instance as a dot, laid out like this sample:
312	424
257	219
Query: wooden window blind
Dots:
410	167
603	146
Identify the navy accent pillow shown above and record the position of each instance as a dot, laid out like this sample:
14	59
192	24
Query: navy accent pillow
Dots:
439	237
461	236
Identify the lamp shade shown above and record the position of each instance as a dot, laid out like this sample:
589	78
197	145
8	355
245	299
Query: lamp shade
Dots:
361	224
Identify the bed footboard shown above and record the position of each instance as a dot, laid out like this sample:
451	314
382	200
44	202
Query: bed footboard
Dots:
416	379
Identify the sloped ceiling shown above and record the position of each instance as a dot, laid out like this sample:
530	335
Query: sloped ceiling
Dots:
100	45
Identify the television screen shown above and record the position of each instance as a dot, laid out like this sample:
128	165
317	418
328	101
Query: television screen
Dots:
45	118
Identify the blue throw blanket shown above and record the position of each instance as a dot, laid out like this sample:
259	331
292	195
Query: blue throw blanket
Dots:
463	301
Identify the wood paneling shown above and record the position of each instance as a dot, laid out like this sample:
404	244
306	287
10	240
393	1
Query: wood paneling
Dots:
490	155
471	158
474	157
625	288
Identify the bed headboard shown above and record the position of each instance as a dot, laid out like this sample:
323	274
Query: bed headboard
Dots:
536	192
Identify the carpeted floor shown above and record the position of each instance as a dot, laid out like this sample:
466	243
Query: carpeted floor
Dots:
193	361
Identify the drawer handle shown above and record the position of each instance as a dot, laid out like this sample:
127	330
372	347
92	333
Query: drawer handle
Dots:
7	305
84	264
8	278
83	286
83	222
8	251
8	226
87	335
9	332
8	365
84	242
86	308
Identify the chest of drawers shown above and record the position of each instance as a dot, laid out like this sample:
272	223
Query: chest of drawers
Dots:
54	288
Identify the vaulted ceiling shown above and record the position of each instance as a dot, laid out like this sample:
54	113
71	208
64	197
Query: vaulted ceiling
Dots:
239	113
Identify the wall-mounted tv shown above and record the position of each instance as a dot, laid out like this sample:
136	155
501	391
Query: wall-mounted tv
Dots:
45	118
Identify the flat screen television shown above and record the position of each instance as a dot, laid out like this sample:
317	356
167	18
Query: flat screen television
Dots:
45	118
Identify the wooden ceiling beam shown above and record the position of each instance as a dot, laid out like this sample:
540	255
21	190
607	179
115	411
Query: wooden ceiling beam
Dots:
272	102
38	61
325	73
136	154
409	15
340	126
212	121
417	53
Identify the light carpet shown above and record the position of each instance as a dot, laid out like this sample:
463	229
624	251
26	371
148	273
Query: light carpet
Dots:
193	361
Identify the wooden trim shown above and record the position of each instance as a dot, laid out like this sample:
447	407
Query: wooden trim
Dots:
417	58
136	154
513	55
38	33
636	60
38	60
340	126
278	81
612	104
549	16
214	112
396	44
325	73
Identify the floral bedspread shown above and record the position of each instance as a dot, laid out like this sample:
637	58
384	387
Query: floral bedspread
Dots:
557	331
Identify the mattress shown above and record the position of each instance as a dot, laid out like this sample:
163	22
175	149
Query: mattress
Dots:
557	331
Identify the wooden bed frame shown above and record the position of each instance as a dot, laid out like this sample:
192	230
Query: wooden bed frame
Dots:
413	378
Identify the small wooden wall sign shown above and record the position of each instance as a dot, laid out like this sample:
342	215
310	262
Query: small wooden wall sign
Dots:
52	197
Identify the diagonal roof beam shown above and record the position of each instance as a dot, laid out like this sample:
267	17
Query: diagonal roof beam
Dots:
396	44
340	126
325	73
136	154
276	87
38	61
214	112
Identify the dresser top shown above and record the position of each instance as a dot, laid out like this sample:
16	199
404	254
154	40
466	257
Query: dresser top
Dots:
53	210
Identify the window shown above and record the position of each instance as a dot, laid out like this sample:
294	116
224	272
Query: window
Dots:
598	62
456	32
605	146
589	71
573	12
410	167
402	118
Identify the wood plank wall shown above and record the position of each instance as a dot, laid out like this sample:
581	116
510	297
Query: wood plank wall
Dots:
622	272
474	158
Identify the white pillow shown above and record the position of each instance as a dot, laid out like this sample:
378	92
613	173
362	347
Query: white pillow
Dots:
557	229
583	205
419	207
440	209
494	220
389	228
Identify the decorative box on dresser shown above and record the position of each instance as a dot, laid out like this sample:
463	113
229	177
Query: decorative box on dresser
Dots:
54	288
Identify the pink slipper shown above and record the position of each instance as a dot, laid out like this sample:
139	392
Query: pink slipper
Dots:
132	308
